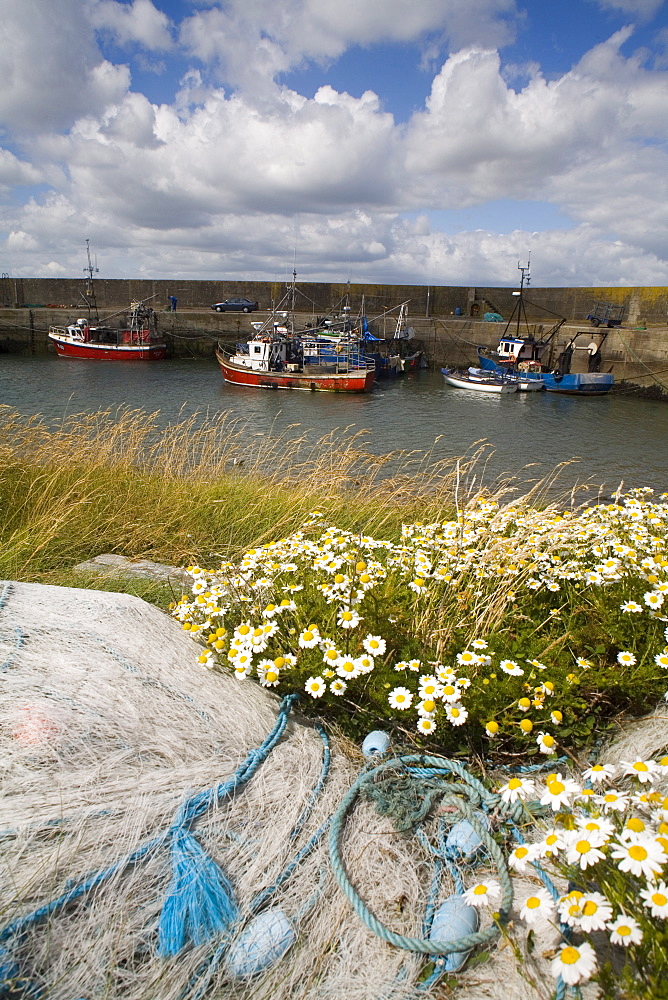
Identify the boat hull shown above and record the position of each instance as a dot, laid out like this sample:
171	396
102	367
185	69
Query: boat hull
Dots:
352	381
579	384
492	385
108	352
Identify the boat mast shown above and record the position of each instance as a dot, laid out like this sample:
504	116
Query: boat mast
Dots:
89	294
526	276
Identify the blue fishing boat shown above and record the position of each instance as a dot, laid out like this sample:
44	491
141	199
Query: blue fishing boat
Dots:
532	358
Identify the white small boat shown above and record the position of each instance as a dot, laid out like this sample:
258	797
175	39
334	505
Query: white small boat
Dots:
525	382
462	380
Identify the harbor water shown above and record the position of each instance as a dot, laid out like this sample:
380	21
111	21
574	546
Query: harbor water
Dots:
606	440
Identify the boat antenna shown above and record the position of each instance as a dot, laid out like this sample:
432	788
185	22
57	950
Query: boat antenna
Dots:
525	280
89	296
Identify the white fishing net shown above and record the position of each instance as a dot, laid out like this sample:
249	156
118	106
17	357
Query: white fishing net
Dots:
106	726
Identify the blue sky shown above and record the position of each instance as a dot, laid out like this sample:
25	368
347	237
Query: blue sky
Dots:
428	141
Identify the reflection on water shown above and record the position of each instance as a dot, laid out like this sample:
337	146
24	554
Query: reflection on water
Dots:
614	438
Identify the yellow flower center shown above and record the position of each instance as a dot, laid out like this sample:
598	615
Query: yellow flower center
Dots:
339	578
548	740
583	846
307	636
637	852
480	890
569	955
532	903
271	676
635	824
526	725
659	899
640	766
524	703
556	787
590	908
429	706
244	630
623	930
515	783
521	852
492	727
360	566
347	616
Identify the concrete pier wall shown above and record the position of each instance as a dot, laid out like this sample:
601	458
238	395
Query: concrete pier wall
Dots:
647	303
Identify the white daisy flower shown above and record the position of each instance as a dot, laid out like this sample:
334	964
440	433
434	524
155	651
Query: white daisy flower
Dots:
415	666
574	965
429	687
375	645
612	801
400	698
595	824
467	658
596	912
364	663
309	638
643	770
517	788
315	686
483	893
537	908
626	659
546	743
479	644
456	714
338	687
451	693
640	855
655	898
653	599
521	856
598	773
512	668
425	725
631	607
559	791
583	849
625	931
348	618
661	660
347	668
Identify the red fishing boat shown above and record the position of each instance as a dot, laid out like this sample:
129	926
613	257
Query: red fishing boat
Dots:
278	358
278	361
137	339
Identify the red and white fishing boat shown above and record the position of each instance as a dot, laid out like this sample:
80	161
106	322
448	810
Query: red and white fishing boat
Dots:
139	341
278	361
135	340
278	358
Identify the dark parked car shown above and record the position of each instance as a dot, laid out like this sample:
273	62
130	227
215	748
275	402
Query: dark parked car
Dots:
235	305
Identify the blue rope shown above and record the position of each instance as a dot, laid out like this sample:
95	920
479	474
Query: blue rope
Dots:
205	972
